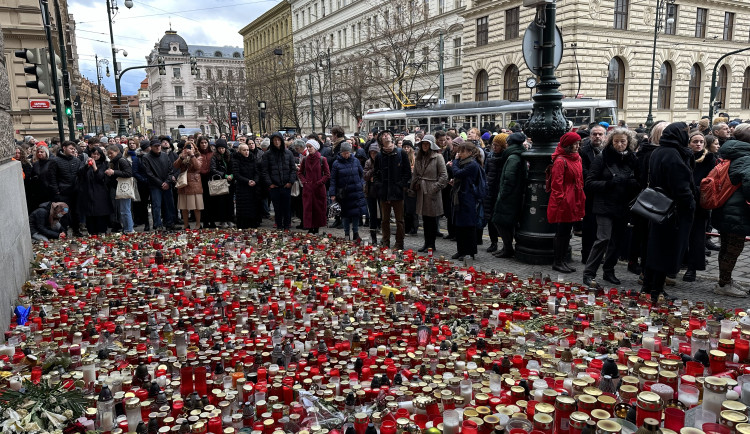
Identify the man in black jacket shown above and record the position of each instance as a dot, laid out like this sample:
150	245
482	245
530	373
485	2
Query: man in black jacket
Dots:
589	151
45	222
160	174
392	176
279	172
63	180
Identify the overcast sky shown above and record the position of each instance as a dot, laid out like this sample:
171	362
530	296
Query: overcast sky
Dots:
216	22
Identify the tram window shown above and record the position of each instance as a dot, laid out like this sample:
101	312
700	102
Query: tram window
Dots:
489	122
516	118
462	122
396	125
438	123
578	116
375	125
606	114
413	123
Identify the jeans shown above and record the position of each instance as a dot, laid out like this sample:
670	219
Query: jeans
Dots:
398	210
126	218
730	249
162	198
354	222
608	233
282	206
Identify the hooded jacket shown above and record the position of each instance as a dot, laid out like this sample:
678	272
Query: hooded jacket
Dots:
278	165
511	184
567	201
734	216
39	222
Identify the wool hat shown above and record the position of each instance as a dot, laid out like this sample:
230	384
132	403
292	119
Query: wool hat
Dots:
429	138
486	136
104	140
42	144
314	143
604	124
568	139
733	124
221	143
519	138
500	139
374	147
154	142
145	144
345	147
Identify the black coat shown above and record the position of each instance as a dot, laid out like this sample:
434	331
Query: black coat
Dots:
122	169
493	166
158	169
63	176
93	193
39	222
244	170
221	166
734	216
611	178
670	169
41	191
511	186
278	165
588	154
392	174
643	156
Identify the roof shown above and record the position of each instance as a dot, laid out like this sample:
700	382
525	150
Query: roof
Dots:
227	52
144	83
170	36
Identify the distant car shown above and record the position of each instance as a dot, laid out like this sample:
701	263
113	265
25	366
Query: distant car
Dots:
112	135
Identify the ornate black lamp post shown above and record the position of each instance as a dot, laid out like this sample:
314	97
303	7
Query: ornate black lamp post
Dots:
545	127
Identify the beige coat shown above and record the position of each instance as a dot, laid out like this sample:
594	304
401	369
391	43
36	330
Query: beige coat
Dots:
428	180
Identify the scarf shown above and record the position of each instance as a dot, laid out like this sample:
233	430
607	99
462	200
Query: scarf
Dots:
700	156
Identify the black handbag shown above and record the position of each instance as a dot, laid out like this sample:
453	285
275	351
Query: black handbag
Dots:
653	204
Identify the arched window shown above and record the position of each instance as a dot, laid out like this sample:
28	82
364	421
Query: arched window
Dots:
746	90
664	100
482	86
510	83
236	55
616	81
199	53
694	87
721	95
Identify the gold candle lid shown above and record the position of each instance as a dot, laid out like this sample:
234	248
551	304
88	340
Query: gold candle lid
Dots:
543	407
608	426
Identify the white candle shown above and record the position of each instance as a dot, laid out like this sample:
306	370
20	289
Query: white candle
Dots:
648	343
108	278
89	373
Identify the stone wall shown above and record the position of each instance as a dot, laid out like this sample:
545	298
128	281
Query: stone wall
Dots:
15	239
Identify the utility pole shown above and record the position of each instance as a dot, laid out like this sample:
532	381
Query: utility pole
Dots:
312	103
44	7
64	66
99	86
441	94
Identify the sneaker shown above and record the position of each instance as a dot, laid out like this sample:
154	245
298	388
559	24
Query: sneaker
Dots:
731	290
670	281
710	245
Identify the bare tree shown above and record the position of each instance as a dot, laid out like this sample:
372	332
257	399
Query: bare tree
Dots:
395	34
355	84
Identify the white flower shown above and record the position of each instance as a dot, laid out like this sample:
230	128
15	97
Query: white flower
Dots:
68	414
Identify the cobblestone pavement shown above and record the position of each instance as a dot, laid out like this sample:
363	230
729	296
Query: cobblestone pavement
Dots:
700	290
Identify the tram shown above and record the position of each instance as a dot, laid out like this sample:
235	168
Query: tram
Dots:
486	115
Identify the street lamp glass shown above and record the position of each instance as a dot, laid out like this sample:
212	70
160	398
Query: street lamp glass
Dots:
128	4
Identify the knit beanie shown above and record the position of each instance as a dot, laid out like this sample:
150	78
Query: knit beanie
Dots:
568	139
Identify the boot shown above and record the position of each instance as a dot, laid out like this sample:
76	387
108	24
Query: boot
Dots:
560	248
357	238
374	237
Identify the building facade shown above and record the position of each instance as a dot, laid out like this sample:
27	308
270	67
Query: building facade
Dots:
22	28
144	126
269	65
205	100
382	54
609	45
96	108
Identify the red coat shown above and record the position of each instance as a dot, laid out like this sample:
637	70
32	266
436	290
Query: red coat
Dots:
313	175
566	200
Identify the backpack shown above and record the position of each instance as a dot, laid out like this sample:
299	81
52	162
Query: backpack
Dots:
548	176
716	188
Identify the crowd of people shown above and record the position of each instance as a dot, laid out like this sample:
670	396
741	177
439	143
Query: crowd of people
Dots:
472	179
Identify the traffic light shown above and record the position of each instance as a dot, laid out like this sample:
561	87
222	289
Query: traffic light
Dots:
160	63
68	108
193	66
39	68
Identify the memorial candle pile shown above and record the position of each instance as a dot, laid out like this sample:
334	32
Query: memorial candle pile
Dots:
272	332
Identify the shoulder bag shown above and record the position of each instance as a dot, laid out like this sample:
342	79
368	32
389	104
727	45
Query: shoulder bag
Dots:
218	187
653	204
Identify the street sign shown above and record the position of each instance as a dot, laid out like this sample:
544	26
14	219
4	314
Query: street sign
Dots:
532	47
442	101
79	126
39	104
120	109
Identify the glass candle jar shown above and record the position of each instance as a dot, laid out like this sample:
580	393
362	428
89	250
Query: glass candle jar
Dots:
544	423
578	422
564	406
648	404
699	341
608	427
714	393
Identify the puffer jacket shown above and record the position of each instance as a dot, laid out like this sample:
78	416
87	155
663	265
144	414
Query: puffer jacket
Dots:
734	216
193	166
39	222
278	165
511	185
348	174
63	175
